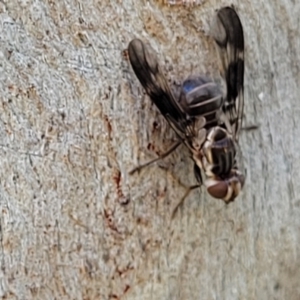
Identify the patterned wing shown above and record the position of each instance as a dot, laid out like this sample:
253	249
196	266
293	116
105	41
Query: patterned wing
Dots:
147	70
227	31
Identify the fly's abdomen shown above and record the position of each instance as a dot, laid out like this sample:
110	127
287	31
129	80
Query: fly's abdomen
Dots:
201	97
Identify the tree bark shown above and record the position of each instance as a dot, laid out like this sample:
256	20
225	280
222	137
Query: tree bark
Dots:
75	121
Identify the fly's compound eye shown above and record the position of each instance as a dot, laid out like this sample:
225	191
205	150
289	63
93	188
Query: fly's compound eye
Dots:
217	188
227	189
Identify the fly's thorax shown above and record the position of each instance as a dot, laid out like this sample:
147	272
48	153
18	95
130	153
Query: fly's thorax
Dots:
219	162
200	96
218	152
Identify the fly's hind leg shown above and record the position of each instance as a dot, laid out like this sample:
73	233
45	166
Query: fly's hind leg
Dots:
250	127
165	154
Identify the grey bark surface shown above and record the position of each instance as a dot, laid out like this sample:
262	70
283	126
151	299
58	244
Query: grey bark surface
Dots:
74	120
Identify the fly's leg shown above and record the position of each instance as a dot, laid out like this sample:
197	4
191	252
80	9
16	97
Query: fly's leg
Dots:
198	176
179	204
250	127
165	154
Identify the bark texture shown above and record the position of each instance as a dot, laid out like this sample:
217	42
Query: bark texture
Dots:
74	120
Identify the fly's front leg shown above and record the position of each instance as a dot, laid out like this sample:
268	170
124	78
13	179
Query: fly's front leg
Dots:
162	156
198	176
179	204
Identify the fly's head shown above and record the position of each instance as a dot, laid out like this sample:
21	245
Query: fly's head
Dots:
227	188
224	180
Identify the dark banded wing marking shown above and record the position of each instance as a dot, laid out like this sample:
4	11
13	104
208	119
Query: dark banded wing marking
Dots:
227	31
145	66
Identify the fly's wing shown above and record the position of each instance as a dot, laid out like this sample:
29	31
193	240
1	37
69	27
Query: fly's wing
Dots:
147	70
227	31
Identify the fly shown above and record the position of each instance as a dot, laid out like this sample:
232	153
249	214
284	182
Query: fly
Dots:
205	120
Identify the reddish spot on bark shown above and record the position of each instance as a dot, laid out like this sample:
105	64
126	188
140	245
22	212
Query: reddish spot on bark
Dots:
122	272
155	125
108	126
117	178
123	200
141	221
127	287
125	54
108	215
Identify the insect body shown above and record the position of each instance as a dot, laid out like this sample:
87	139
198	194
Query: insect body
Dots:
204	119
